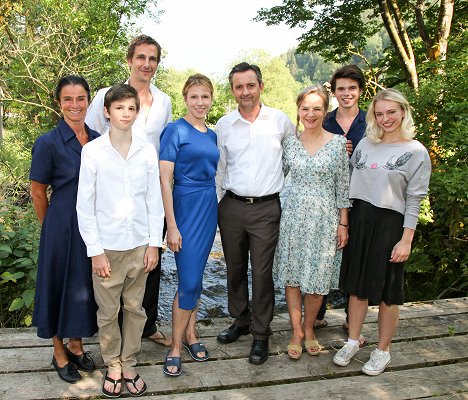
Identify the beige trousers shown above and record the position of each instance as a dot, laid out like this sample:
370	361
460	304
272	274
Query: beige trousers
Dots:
127	281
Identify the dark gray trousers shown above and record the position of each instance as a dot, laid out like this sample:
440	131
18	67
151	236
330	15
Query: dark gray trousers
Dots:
250	228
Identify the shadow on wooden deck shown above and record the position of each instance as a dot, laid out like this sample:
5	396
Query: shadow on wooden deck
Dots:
429	360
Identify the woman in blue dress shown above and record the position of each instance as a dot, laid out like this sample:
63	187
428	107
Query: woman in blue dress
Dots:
188	160
64	304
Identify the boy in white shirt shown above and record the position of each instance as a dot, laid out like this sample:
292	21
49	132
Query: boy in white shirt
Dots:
120	217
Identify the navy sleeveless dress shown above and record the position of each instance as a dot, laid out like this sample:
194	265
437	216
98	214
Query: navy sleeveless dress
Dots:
196	156
64	303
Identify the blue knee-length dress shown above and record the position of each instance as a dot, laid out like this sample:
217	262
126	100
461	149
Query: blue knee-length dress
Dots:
64	303
195	155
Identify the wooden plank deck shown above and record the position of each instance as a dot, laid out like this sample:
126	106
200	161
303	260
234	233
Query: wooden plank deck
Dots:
429	360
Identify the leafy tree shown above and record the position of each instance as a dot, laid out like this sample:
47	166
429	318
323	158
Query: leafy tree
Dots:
439	265
43	40
309	68
335	29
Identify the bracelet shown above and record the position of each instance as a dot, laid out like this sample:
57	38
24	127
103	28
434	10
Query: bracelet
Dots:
346	226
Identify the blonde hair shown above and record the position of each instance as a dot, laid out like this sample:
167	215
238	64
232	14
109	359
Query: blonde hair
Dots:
374	132
320	90
197	79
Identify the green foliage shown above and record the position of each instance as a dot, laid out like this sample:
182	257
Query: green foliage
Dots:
332	27
309	68
171	82
41	41
44	40
439	264
338	30
19	234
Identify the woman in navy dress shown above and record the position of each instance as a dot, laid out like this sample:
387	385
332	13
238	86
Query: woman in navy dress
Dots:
189	158
64	304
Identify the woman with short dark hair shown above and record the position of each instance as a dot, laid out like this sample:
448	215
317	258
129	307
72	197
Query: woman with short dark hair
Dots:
64	305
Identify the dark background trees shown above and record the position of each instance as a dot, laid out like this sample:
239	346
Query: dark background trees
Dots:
336	28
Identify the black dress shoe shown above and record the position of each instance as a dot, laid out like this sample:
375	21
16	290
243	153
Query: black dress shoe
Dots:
84	362
232	333
258	352
68	373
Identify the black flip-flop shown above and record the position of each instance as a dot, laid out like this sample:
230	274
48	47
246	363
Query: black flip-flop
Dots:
133	381
115	382
195	348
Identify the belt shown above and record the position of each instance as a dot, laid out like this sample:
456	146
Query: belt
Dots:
252	199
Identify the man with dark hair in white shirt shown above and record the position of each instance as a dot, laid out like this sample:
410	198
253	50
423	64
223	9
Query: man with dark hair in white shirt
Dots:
249	180
143	57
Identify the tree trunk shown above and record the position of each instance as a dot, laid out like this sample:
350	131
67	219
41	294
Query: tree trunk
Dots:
444	23
395	27
422	26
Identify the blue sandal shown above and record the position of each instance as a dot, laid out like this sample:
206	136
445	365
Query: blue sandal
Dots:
172	362
195	348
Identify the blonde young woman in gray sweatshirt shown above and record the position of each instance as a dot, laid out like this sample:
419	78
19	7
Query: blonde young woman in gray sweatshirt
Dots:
390	176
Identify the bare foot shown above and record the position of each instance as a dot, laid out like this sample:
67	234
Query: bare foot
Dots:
320	323
362	341
160	338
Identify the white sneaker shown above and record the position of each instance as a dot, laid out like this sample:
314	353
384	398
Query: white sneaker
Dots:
345	354
377	363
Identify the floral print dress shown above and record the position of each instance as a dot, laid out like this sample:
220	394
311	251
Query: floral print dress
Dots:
306	255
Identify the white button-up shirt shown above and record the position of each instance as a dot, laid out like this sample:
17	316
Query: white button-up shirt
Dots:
160	114
250	162
119	202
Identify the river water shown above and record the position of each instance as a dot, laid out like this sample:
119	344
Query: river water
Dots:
214	296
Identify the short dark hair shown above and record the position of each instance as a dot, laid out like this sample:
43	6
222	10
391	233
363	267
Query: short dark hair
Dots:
244	66
120	92
351	72
71	80
143	39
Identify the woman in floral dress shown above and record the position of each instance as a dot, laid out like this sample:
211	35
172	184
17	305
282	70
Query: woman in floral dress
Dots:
314	222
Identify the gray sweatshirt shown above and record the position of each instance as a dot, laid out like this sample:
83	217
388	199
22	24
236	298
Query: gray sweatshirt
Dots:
391	175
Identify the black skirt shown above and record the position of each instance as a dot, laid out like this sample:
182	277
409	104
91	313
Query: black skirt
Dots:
366	271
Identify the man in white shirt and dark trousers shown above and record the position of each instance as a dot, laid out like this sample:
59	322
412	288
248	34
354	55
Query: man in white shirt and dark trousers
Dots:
120	217
249	180
143	56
